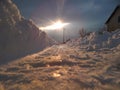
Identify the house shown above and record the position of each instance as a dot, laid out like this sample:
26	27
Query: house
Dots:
113	21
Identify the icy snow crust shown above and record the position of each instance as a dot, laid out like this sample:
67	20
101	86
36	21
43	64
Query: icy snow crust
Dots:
67	67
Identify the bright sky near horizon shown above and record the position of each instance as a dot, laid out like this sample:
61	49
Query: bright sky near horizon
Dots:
88	14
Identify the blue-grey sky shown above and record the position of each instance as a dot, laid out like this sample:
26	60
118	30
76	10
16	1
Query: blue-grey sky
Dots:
90	14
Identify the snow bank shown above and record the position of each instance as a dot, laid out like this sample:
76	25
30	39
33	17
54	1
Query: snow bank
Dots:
97	41
19	36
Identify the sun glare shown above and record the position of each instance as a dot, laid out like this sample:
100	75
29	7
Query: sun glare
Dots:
57	25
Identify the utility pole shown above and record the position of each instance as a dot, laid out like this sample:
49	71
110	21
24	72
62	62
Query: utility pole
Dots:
63	35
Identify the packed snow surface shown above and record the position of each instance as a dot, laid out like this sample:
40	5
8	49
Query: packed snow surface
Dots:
63	67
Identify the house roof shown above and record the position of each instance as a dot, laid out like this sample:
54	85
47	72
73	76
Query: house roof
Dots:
112	14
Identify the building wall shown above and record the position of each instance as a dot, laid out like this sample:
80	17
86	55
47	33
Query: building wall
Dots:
113	24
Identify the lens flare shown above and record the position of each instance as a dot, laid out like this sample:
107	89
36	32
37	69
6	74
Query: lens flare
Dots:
57	25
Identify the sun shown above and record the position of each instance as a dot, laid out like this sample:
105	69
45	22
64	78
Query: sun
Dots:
56	25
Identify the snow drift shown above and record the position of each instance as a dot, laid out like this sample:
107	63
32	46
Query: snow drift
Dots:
18	36
97	40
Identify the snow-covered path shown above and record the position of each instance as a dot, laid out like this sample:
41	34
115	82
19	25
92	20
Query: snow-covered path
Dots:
62	67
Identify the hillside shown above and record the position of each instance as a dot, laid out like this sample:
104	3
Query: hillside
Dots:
18	36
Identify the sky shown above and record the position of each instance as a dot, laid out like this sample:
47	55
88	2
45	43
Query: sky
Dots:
88	14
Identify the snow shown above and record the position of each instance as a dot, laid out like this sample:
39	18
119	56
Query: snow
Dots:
96	41
19	36
62	66
89	63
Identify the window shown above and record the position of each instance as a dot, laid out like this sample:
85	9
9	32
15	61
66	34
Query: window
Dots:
118	19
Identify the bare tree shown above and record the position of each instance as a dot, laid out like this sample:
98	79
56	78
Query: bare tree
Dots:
82	33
